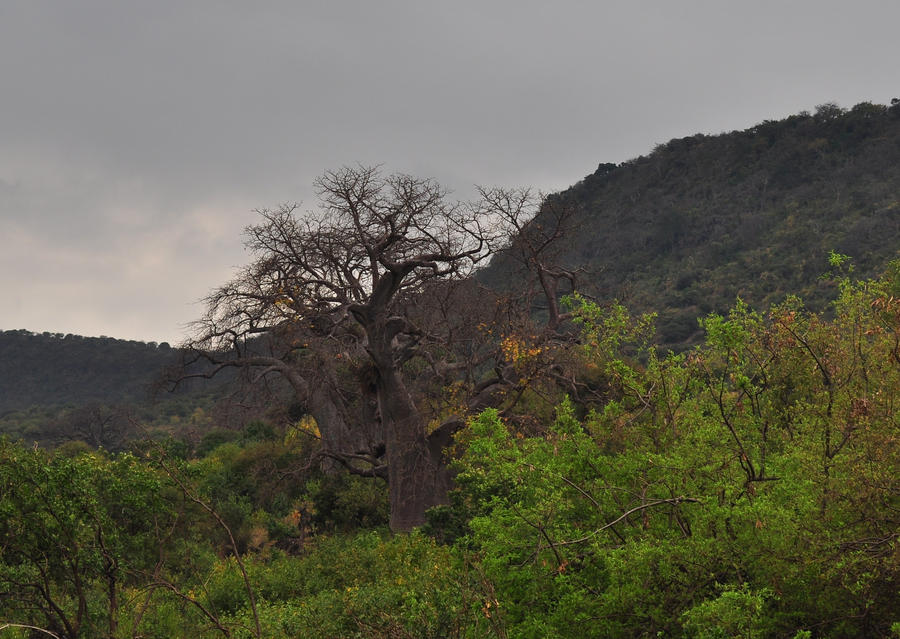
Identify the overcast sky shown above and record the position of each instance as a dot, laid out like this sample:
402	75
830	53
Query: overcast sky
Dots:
136	138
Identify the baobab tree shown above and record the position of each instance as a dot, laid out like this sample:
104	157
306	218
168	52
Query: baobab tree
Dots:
335	294
361	304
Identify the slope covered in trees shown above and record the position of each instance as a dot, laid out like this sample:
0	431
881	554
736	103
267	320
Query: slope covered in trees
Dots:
56	388
704	219
56	369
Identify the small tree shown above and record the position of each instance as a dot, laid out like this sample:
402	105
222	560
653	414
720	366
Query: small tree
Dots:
535	246
73	534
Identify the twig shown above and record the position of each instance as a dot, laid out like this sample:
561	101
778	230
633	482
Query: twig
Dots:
22	625
237	555
674	501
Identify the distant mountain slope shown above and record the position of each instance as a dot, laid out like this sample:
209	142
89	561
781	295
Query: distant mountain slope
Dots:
54	369
701	220
103	391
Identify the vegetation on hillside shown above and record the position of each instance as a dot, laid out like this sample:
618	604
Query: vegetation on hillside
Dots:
56	369
105	392
704	219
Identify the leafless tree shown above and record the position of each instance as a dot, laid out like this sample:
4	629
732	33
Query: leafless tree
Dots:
536	228
368	309
98	425
337	294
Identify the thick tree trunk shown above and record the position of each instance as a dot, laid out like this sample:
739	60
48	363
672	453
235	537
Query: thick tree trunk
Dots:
417	476
338	434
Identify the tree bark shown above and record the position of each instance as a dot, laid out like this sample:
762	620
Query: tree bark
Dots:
417	477
338	432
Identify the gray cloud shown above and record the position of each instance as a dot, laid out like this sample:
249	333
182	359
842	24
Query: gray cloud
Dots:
135	138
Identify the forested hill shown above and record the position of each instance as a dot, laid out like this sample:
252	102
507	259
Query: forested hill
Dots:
704	219
55	369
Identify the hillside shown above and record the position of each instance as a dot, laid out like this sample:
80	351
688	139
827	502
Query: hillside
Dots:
55	369
56	387
704	219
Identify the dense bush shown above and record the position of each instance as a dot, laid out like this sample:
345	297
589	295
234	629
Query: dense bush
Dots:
747	488
750	488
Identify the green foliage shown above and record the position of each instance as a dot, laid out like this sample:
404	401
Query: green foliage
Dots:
837	260
341	503
368	585
214	438
747	489
73	532
269	494
736	613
